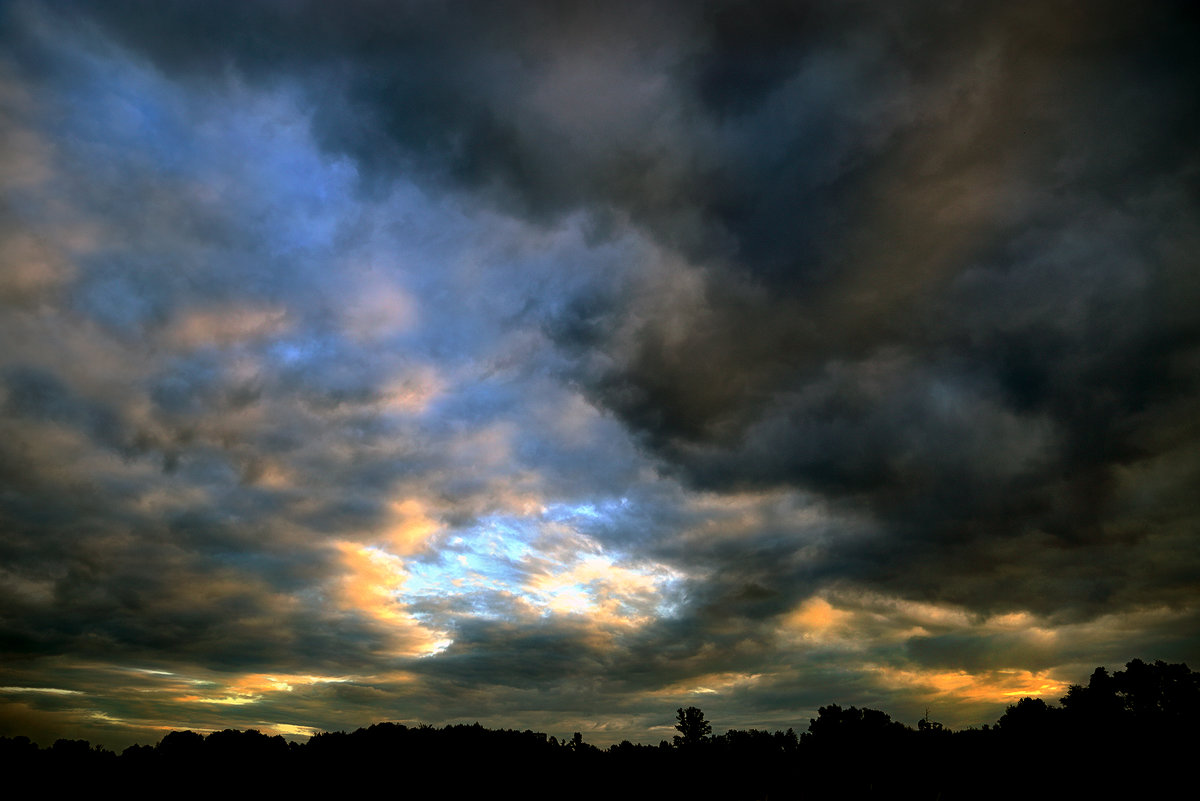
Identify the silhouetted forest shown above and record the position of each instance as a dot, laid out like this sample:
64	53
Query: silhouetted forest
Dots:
1125	733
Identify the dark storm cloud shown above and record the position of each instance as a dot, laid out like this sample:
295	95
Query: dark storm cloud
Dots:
928	285
31	393
936	291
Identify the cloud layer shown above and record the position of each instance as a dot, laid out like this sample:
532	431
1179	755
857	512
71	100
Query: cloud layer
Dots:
554	367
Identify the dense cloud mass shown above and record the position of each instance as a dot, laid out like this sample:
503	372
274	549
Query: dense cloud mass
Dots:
558	364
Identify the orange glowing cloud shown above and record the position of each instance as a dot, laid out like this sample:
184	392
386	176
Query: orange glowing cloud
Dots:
411	527
816	616
856	619
995	686
372	587
252	687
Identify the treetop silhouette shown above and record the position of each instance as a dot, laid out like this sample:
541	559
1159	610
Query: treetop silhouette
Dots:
1144	714
693	728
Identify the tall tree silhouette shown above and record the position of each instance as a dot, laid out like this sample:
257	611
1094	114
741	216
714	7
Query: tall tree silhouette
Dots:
693	728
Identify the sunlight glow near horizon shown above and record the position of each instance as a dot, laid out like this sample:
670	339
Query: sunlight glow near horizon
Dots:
252	687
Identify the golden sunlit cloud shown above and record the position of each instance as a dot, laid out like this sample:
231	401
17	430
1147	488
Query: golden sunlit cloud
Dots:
410	529
711	684
993	686
856	620
816	618
251	688
287	729
373	586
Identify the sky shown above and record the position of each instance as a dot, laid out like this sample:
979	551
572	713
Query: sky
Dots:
557	365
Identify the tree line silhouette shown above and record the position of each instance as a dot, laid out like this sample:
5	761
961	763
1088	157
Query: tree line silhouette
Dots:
1132	731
